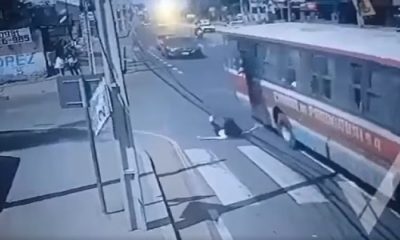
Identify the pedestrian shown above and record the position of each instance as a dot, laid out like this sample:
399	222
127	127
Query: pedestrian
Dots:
229	129
60	65
73	64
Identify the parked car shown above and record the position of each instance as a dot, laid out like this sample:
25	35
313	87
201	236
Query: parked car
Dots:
205	25
180	47
238	19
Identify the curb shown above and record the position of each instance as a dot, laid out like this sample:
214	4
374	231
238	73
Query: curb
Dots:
149	180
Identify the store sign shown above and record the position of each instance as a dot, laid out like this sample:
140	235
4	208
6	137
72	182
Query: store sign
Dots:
15	36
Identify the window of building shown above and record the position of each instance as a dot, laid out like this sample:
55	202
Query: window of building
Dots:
262	10
254	10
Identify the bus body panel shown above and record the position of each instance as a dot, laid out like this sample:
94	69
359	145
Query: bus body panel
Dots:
359	143
333	142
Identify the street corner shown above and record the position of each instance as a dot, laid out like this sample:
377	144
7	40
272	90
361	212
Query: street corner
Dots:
185	192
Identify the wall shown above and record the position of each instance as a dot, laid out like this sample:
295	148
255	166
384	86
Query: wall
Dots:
23	61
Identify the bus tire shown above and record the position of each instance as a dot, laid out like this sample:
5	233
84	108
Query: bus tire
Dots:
285	130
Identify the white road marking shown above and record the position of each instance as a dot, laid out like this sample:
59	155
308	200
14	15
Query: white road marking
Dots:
175	69
362	205
283	175
220	225
376	206
169	65
318	162
395	213
225	185
354	195
180	72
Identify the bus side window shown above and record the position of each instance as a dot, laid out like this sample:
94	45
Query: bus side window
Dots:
270	63
378	97
356	83
292	66
322	76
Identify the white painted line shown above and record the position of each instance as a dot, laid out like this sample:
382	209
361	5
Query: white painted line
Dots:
283	175
226	186
180	72
175	69
220	225
169	65
395	213
354	195
318	162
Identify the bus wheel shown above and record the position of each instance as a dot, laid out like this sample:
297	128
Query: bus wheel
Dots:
285	131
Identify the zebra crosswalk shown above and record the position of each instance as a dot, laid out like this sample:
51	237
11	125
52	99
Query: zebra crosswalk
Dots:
284	176
230	189
226	186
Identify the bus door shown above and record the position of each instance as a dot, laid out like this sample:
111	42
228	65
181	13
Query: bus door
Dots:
251	68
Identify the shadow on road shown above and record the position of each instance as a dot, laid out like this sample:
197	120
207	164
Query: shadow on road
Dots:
8	169
31	200
16	140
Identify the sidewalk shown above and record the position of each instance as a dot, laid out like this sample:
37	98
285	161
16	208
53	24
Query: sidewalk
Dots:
53	193
61	201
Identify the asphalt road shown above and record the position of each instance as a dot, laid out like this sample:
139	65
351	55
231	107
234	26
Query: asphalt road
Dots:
268	190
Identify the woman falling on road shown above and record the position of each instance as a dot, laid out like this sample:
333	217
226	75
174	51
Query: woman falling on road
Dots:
228	130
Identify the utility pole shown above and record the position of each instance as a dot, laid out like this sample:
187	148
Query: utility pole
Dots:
289	10
133	201
241	7
92	60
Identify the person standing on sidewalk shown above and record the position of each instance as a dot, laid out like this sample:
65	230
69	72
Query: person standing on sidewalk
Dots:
73	64
60	65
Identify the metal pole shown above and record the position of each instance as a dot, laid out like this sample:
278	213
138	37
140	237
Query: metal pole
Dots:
92	145
289	10
89	43
133	199
241	7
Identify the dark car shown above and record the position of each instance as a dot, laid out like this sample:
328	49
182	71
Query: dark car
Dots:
176	47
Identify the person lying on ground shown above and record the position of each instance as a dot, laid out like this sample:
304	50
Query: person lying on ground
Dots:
229	129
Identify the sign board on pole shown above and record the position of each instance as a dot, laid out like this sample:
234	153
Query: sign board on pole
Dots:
99	107
15	36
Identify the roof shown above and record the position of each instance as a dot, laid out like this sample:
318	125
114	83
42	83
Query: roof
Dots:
377	44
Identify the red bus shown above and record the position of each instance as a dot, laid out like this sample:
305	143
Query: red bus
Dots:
335	89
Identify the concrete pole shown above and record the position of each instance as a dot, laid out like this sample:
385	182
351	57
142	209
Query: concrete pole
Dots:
289	10
133	200
92	60
360	18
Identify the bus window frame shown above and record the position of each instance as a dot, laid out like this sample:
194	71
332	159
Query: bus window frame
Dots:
322	76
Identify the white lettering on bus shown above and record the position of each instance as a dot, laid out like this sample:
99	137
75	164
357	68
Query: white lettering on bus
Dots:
342	125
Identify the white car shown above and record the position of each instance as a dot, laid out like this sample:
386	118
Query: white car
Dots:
237	20
206	26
